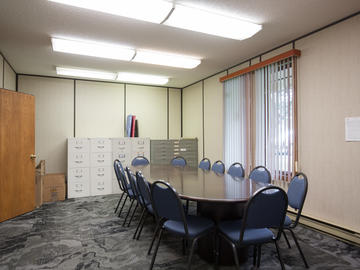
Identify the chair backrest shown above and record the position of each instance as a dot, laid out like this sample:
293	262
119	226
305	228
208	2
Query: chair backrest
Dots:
140	161
143	188
236	170
178	161
132	180
117	168
205	164
218	167
166	203
260	174
297	193
265	209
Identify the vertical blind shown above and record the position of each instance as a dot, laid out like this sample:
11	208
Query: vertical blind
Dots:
273	137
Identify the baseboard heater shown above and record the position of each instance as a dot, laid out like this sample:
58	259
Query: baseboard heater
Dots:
336	231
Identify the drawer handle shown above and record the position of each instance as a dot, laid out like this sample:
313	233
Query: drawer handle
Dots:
100	160
100	174
100	188
78	161
78	176
78	147
100	146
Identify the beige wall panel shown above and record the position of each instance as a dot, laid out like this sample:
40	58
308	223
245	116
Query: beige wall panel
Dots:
1	71
9	77
174	113
54	118
214	118
192	115
328	79
149	104
277	52
243	65
99	109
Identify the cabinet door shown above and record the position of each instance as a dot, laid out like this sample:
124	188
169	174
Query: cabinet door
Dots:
17	149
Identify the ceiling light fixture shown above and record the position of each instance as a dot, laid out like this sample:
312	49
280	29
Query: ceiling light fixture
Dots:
211	23
91	48
141	78
172	60
163	12
94	74
154	11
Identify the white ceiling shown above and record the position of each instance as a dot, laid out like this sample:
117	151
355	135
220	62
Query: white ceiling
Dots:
27	25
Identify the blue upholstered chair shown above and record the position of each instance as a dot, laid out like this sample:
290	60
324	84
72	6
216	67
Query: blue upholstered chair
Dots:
140	161
296	194
265	209
260	174
117	168
171	217
218	167
205	164
136	196
119	171
144	191
178	161
236	170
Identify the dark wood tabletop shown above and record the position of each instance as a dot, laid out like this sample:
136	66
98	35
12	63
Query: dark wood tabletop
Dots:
199	185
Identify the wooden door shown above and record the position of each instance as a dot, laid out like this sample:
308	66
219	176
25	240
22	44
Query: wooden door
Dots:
17	145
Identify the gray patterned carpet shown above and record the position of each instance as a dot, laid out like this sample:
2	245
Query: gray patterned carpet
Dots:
85	234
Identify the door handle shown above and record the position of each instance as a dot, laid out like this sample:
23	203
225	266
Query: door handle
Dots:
32	156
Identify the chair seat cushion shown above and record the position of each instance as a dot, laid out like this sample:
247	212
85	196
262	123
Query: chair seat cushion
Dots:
232	229
131	193
287	222
196	226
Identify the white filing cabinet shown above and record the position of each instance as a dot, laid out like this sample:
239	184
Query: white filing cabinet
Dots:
125	149
100	166
90	163
78	167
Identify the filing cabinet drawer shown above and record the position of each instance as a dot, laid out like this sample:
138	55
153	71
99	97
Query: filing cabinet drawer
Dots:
100	145
100	186
79	174
100	159
78	160
78	145
100	173
140	153
122	145
78	189
140	144
115	186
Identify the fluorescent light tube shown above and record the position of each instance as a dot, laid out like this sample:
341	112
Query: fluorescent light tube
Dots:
91	48
154	11
211	23
172	60
141	78
85	73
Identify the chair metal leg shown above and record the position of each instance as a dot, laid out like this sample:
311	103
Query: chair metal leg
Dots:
187	207
122	207
255	254
192	252
217	249
142	225
156	250
279	255
286	239
132	202
117	207
235	256
132	216
139	223
258	256
158	225
298	246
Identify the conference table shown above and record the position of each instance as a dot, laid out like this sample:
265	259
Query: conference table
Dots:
218	196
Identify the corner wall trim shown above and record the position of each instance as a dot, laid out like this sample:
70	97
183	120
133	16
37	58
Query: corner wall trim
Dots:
125	118
74	108
168	111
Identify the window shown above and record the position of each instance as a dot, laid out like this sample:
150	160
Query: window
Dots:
260	120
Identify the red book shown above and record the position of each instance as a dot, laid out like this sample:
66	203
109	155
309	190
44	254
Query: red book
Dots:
133	126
